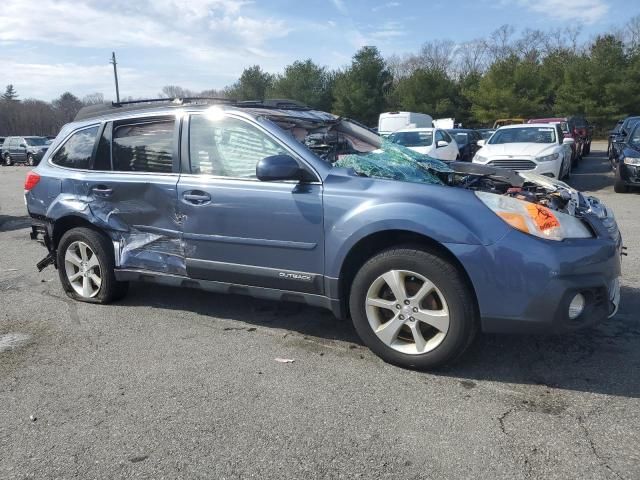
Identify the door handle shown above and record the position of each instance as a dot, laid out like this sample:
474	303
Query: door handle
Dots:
102	190
196	197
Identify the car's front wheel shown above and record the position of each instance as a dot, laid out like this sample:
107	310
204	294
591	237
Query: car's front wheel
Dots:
413	308
86	267
31	161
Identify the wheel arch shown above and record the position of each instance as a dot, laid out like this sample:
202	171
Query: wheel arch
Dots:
68	222
374	243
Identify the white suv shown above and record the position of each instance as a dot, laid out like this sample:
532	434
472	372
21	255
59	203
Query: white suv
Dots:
435	142
540	148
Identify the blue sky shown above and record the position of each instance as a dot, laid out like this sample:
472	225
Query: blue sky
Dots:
51	46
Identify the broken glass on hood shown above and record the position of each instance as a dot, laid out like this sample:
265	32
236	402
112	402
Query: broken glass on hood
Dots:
395	162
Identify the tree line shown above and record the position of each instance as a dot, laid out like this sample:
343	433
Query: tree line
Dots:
528	74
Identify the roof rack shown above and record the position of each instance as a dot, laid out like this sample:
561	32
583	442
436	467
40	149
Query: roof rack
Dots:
176	101
279	103
92	111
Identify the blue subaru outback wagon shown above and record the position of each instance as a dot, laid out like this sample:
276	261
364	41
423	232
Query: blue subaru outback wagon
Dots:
275	200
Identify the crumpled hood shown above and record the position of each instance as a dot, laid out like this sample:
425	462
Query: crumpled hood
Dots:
516	149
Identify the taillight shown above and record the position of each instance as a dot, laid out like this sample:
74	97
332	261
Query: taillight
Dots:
31	181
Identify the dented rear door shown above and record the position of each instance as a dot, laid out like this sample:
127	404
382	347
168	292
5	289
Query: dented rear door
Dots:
133	193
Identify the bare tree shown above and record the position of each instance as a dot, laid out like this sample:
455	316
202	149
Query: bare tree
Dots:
499	43
471	57
93	99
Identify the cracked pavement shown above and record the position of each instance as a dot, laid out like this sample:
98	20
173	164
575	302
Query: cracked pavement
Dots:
181	383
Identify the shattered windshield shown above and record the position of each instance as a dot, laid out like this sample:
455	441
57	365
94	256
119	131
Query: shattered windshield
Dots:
395	162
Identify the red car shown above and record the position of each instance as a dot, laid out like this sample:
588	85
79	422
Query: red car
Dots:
573	127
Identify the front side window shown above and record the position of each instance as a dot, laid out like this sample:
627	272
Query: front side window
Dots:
144	147
524	135
228	147
77	150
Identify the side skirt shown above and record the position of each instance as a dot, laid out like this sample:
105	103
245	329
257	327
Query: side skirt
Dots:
167	279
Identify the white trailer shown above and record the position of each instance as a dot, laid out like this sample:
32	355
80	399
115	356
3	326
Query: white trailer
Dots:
389	122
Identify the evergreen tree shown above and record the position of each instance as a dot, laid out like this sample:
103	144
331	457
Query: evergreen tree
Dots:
360	91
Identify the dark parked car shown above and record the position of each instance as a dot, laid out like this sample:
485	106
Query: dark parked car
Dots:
278	201
467	141
486	133
27	150
618	139
627	162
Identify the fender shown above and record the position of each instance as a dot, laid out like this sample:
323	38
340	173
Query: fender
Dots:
370	218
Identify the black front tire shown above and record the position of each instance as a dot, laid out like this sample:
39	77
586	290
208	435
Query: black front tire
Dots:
463	321
110	288
31	161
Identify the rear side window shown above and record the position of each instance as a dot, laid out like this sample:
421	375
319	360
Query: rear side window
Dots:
76	151
143	147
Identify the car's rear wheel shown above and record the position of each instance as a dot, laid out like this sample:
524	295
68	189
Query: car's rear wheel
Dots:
86	267
8	161
412	308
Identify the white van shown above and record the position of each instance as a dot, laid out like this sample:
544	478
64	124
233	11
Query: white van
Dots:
389	122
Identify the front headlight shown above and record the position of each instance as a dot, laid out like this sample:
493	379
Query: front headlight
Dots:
548	158
480	159
534	219
632	161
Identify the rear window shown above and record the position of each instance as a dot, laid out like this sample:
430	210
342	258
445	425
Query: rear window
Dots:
412	139
144	147
77	150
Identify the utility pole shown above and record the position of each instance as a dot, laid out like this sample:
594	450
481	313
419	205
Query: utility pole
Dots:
115	75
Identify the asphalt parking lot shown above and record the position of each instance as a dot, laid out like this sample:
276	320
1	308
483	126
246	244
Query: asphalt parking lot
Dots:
179	383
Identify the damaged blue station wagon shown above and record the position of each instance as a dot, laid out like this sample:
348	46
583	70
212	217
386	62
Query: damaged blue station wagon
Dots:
275	200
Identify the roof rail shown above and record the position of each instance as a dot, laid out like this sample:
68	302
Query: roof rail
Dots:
176	100
280	103
92	111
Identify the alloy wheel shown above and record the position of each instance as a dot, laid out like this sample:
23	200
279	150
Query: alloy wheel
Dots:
83	269
407	312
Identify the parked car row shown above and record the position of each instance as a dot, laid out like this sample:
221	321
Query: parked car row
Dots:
624	153
28	150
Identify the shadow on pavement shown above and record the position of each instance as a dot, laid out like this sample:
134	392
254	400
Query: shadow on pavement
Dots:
593	173
604	359
9	223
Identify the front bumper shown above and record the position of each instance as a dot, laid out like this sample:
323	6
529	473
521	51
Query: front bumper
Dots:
629	174
524	284
549	169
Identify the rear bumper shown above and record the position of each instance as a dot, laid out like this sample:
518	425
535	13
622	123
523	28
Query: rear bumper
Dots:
525	285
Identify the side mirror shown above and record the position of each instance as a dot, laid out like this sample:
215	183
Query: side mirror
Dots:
23	145
481	142
441	143
278	167
568	141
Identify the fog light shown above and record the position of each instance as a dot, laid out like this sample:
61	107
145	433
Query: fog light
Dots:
576	307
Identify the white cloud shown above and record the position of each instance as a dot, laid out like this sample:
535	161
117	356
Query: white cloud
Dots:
586	11
383	6
340	6
36	78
